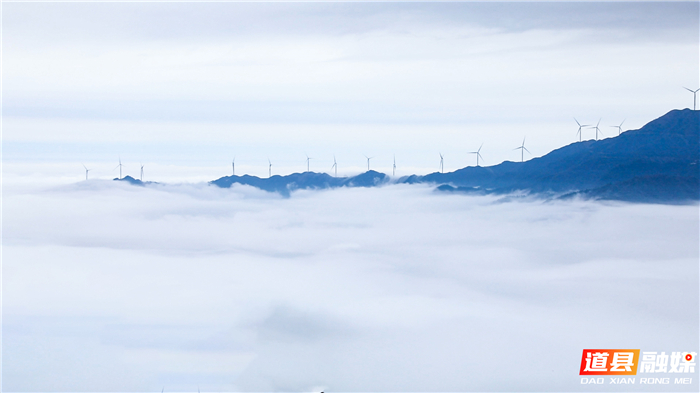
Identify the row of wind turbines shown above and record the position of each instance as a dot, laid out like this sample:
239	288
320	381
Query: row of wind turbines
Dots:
87	171
476	153
619	127
596	127
334	167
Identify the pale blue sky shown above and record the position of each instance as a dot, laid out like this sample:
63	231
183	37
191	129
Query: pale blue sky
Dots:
196	84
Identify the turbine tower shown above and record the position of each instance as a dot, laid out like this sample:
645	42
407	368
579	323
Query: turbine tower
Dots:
442	168
142	171
619	128
269	170
120	167
597	130
393	170
523	149
307	163
233	165
580	126
695	95
86	171
335	165
478	154
368	158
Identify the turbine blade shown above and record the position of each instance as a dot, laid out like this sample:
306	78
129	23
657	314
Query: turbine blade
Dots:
526	149
689	89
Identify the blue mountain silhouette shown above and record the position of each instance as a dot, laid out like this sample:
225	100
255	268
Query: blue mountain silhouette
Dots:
135	182
307	180
657	163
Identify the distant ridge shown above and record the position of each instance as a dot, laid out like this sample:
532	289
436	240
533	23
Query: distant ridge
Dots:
133	181
657	163
307	180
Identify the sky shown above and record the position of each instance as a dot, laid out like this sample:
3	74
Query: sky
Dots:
110	287
197	85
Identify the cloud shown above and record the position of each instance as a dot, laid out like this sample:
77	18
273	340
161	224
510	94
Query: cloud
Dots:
396	288
268	79
197	21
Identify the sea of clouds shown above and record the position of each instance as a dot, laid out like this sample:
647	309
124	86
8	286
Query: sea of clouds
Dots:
112	287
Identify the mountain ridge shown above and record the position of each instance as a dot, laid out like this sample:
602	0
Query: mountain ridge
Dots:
657	163
665	148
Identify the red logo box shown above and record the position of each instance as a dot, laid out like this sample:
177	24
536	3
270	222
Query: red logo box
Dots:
609	362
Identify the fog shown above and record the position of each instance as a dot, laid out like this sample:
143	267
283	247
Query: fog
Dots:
111	287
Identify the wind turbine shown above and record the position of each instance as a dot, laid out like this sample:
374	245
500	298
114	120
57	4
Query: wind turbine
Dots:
307	163
619	128
393	171
478	154
597	130
86	171
233	165
441	162
142	171
120	167
269	173
523	149
695	94
335	165
580	126
368	158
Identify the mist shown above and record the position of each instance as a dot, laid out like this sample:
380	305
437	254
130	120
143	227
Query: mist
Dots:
110	287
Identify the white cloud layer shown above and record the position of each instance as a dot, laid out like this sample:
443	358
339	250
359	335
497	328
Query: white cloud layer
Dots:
119	288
